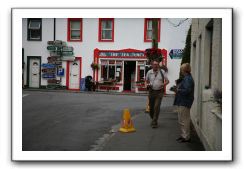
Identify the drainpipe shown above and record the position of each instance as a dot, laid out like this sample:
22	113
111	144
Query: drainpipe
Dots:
54	29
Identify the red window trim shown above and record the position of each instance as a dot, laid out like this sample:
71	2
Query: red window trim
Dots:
100	30
69	33
145	29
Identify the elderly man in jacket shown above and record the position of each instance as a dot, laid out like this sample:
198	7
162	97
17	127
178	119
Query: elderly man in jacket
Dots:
183	100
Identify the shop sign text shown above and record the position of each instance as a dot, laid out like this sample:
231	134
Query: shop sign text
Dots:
122	54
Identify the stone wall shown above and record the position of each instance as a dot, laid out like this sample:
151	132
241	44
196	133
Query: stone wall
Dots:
206	62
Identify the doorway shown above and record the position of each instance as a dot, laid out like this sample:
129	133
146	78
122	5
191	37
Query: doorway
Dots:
129	75
34	71
74	74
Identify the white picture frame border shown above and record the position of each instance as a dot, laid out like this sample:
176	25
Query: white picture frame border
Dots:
18	155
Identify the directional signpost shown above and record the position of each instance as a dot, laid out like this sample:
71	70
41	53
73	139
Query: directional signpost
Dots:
59	51
176	53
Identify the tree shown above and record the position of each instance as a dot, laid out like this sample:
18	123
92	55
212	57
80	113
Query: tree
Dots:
154	53
155	33
187	50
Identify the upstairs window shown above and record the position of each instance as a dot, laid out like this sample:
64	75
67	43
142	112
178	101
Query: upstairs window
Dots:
34	29
75	29
148	30
106	30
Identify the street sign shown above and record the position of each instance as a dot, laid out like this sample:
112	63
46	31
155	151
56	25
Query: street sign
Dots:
53	48
176	53
60	71
57	43
48	65
53	81
66	53
47	75
68	49
68	58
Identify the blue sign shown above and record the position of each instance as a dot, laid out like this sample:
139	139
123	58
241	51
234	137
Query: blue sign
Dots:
60	72
46	75
82	84
48	65
176	53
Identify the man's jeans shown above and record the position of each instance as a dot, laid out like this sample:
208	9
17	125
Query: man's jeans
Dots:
155	98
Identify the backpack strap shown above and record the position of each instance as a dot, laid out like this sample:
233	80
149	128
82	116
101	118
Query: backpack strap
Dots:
161	74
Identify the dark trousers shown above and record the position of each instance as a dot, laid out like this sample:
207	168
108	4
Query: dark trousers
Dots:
155	98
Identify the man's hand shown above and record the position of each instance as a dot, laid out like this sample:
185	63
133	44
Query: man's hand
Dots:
147	82
166	82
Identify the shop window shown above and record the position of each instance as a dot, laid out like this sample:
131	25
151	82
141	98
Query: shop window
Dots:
111	62
104	70
111	73
142	73
147	68
111	70
34	29
75	29
118	71
148	30
106	30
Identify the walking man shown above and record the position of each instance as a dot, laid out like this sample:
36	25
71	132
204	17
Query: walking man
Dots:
156	79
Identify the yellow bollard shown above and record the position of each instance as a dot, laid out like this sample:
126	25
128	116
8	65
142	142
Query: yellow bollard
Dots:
126	124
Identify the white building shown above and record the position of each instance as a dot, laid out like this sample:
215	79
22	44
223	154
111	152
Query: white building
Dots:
116	44
206	62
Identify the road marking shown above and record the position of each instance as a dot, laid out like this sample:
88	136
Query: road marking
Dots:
101	142
25	95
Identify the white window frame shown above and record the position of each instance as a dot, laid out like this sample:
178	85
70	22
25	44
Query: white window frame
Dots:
34	28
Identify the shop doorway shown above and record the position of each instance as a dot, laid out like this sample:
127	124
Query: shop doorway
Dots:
129	75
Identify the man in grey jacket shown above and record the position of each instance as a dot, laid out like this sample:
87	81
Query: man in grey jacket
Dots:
156	79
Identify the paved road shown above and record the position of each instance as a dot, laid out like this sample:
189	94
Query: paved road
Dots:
62	121
71	121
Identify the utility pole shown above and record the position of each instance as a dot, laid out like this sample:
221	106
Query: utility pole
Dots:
155	33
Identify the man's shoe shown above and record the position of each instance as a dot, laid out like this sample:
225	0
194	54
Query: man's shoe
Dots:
179	138
154	125
185	140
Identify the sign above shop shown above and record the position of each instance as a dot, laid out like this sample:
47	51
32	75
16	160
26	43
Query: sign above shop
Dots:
176	53
122	54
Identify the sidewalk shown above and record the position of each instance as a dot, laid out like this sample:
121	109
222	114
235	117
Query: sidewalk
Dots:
90	92
147	139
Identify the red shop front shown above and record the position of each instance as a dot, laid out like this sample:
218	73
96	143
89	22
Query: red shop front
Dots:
122	70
